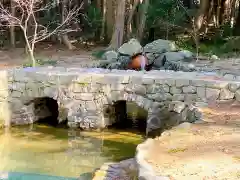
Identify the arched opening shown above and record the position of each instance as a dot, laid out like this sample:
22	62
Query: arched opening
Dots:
127	115
45	111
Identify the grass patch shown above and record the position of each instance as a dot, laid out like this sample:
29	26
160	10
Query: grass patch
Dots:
176	150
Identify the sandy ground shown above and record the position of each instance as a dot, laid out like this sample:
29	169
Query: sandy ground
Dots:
203	151
209	151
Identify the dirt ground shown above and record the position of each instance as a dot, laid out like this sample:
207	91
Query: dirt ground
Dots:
202	152
63	57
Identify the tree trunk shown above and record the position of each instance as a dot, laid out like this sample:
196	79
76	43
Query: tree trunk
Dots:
65	38
97	35
130	18
226	13
237	25
110	18
12	28
202	13
103	34
143	18
117	37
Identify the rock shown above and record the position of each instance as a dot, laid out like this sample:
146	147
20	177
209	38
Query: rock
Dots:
171	56
159	62
152	57
193	115
187	54
115	65
130	48
85	176
185	125
154	124
233	87
237	95
110	56
160	46
214	57
126	169
124	60
229	77
178	106
226	94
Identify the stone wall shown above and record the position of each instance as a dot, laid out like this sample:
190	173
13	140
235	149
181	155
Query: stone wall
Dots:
83	93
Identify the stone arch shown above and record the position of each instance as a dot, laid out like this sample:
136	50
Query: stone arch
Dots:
23	110
109	99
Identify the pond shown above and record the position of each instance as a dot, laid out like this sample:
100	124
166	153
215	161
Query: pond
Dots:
41	150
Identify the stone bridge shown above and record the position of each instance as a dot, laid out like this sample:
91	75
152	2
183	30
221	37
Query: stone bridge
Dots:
83	94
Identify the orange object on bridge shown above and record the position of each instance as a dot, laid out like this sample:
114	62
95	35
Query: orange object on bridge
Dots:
138	62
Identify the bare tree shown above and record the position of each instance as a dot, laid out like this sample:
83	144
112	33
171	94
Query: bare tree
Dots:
27	17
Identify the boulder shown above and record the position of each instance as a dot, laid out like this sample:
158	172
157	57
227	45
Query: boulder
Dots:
160	46
110	56
130	48
187	54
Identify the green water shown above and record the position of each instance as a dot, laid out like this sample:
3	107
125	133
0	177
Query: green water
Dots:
61	152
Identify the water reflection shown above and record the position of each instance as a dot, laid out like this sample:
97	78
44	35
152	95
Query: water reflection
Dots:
61	152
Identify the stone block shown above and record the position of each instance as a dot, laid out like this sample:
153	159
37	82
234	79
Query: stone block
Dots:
198	83
116	78
84	78
147	80
212	94
73	124
136	88
117	87
169	82
160	96
178	97
225	94
91	105
116	95
21	76
50	91
216	84
189	89
182	82
66	79
189	98
17	94
155	88
17	86
140	101
175	90
201	92
135	79
84	96
147	104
